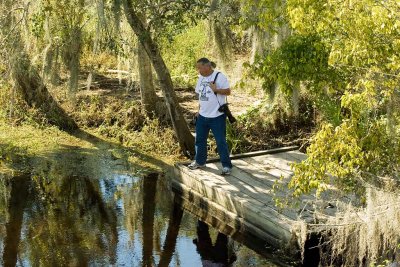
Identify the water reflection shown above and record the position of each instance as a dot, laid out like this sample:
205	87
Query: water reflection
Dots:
212	255
18	192
57	218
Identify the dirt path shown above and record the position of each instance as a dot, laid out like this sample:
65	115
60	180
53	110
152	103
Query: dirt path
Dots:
108	86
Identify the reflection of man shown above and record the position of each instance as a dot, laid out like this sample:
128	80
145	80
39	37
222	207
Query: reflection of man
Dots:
212	255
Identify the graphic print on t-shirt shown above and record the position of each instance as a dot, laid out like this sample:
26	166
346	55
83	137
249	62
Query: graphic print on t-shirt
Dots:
210	102
204	85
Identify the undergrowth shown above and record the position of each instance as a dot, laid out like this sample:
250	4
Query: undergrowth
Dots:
270	125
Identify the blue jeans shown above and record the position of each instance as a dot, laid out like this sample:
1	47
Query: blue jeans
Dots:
218	127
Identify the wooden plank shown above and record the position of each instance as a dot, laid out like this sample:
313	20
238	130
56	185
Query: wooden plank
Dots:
239	170
244	200
280	161
297	155
258	180
258	184
268	174
253	188
216	215
276	168
239	178
250	209
252	154
243	183
246	196
205	208
270	227
211	179
290	158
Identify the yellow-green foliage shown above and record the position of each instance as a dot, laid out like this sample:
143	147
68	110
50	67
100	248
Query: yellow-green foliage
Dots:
364	42
344	156
347	51
100	62
182	53
357	147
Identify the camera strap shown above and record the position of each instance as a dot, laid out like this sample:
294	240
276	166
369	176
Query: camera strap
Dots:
215	79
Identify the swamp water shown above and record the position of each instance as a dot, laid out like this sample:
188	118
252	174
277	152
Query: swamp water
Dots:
79	210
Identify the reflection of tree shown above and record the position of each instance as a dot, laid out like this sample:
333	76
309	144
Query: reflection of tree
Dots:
16	204
163	209
70	219
71	224
149	207
135	205
132	203
152	208
172	235
4	197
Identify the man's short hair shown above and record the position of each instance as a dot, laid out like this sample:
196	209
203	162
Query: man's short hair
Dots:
206	61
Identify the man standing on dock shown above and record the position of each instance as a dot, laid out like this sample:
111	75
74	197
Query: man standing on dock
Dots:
212	87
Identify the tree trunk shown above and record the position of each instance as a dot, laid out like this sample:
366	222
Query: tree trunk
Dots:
26	78
12	103
116	10
295	99
91	75
283	32
147	90
101	24
18	199
183	134
48	52
390	116
55	70
31	87
74	50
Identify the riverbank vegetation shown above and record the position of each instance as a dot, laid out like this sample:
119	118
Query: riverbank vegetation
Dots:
322	75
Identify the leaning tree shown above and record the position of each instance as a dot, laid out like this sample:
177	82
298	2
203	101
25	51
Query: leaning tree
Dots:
169	16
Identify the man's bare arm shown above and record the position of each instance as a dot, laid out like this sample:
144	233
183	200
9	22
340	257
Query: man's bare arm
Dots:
226	91
223	91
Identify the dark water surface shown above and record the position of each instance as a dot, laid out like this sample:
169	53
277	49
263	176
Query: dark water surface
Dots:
58	217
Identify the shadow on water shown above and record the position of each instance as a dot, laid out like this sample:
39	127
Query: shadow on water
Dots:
101	143
76	207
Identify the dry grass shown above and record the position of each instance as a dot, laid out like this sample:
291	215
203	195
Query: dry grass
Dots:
367	236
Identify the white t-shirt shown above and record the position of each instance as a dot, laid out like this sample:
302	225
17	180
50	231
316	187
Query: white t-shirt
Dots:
208	100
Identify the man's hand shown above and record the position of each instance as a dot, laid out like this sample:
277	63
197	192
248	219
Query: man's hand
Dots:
213	87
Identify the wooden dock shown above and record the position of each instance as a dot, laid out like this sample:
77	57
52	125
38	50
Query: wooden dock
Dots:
244	200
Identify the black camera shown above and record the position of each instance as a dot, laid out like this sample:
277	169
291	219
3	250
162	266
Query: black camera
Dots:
225	109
